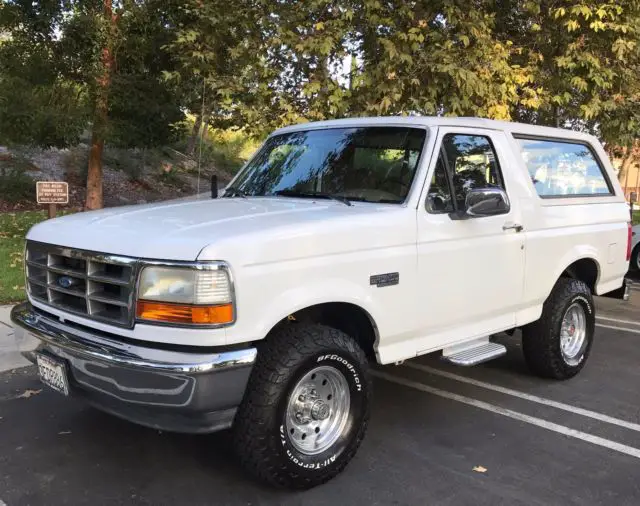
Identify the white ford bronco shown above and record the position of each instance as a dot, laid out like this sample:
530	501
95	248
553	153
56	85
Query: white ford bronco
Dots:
339	244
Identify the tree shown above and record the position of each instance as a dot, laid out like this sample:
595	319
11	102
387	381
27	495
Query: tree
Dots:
38	104
134	106
66	65
260	64
101	90
577	54
221	54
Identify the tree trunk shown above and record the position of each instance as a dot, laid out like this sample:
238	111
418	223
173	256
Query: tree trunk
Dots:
627	162
205	127
94	199
191	145
556	116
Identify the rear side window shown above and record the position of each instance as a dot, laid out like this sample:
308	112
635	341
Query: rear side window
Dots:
563	169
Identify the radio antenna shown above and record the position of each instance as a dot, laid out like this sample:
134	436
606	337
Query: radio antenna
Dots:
202	131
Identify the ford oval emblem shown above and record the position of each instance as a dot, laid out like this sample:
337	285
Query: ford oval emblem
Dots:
66	281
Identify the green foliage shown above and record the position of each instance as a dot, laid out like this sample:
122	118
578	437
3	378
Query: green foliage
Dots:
144	107
13	228
252	65
583	59
225	150
50	63
15	185
36	105
228	150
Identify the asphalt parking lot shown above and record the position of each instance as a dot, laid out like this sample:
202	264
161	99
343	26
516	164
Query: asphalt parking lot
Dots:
490	435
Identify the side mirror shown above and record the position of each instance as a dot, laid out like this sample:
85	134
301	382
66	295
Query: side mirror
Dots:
214	186
481	202
487	202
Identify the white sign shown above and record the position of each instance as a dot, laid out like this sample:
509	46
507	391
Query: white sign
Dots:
52	192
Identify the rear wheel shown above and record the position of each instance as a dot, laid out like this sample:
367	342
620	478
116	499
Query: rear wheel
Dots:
558	344
306	408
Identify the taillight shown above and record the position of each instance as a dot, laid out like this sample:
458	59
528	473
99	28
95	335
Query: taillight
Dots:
629	236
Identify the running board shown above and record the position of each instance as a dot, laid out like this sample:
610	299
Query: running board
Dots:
473	352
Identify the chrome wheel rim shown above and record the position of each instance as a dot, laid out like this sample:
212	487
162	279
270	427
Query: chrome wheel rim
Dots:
318	410
573	334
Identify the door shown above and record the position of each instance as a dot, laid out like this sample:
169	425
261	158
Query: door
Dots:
471	268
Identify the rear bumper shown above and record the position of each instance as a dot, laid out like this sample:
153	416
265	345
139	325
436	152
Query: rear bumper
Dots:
178	391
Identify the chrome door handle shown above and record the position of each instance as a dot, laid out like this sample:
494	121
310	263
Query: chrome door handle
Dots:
511	225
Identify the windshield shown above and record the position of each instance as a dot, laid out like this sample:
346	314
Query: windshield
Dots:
370	164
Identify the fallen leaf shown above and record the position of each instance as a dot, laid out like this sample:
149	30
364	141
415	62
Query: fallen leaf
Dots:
28	393
480	469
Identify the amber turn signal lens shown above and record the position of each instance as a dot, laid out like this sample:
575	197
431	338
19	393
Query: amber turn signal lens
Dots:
184	313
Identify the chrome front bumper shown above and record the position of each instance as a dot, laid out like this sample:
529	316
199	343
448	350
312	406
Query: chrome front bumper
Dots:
179	391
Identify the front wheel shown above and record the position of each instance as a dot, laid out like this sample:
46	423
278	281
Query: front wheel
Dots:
306	408
558	344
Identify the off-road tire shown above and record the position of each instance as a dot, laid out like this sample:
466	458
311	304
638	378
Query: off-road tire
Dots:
541	339
260	439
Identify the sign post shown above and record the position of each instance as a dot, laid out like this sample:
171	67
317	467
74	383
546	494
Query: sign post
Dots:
52	193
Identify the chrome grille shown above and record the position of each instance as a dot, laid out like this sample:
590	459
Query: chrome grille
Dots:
94	285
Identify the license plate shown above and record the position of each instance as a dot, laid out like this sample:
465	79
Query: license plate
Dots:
53	373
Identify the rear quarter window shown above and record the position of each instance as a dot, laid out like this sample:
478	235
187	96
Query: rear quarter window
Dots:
561	168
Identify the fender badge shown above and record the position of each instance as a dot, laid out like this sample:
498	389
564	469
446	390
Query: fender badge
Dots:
387	279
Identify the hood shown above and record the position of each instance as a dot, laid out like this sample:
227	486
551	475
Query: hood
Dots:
180	230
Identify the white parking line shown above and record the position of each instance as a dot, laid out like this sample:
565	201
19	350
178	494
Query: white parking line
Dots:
625	329
522	395
539	422
627	322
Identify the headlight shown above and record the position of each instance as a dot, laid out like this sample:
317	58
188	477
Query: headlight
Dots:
195	295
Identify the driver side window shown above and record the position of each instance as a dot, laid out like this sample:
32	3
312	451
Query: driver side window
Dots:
465	162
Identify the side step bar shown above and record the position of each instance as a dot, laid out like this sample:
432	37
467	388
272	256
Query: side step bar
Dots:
473	352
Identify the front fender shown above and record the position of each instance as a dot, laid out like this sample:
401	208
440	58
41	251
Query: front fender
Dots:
311	294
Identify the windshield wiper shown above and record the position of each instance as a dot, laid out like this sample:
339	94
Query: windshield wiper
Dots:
310	195
231	192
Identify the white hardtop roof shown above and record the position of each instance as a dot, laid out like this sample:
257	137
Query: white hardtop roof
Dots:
432	121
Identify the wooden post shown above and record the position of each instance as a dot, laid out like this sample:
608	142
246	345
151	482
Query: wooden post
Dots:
51	211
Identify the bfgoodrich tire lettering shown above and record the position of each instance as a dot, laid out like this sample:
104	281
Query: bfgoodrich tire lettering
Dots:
541	340
262	436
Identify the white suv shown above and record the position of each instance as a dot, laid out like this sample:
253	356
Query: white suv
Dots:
339	244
